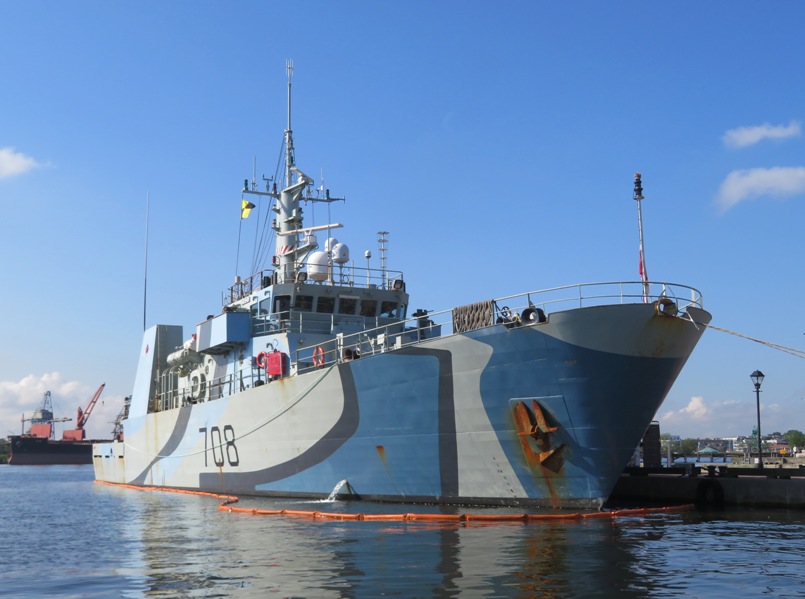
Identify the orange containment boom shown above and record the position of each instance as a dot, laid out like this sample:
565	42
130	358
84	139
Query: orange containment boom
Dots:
228	500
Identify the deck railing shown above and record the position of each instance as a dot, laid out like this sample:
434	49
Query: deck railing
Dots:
346	276
509	309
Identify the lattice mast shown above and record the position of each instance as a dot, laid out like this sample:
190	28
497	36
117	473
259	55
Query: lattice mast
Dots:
382	240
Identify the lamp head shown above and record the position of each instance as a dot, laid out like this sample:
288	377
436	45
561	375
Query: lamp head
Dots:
757	378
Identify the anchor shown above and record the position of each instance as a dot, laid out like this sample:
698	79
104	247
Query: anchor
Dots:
532	423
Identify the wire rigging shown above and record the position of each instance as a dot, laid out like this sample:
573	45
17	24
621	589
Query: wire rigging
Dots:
265	236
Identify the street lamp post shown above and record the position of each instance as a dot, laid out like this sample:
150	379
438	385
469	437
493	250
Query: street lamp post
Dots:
757	378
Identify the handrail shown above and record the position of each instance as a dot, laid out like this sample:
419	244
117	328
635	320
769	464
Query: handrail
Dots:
353	276
413	330
398	334
217	388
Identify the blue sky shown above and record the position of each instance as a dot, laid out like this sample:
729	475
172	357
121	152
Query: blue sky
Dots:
496	145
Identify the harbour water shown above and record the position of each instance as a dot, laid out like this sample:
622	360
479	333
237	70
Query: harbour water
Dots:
65	536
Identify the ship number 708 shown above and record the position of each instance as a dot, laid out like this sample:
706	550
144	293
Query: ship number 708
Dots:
215	442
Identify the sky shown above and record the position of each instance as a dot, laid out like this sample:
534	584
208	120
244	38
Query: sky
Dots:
496	144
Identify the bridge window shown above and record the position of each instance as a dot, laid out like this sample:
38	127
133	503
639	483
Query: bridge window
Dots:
347	305
282	306
389	310
325	305
304	303
368	308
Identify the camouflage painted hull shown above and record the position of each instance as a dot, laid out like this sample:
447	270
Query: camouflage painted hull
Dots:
544	414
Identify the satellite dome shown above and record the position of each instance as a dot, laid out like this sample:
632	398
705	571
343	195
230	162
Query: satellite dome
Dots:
340	253
318	267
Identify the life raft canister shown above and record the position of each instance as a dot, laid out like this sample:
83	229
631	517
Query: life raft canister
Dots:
277	365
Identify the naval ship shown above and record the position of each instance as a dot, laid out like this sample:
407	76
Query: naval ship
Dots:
314	378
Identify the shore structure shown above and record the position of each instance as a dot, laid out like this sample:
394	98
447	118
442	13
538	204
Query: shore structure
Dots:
715	486
39	446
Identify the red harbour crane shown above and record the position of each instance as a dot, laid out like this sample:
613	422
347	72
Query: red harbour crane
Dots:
78	433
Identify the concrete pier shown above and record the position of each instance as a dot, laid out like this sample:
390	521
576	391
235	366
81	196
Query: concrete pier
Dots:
715	486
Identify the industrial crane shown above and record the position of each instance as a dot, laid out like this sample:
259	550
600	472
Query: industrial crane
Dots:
78	433
42	420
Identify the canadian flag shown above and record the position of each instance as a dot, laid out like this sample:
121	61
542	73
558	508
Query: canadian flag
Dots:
642	267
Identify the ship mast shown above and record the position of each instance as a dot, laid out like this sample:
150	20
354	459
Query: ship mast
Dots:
289	215
293	241
290	250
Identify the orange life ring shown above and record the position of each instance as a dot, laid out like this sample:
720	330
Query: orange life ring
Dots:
318	356
262	360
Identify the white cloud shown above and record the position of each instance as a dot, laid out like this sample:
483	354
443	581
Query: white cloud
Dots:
717	419
747	136
748	184
13	163
696	408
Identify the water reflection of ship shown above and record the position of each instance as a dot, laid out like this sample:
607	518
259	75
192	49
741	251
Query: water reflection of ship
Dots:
304	557
39	445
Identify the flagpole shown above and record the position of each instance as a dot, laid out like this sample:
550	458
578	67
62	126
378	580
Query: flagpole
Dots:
237	257
245	208
638	196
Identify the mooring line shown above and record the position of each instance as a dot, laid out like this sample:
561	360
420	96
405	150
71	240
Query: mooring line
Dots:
789	350
228	500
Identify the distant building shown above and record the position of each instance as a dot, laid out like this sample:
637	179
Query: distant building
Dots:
778	446
733	444
721	446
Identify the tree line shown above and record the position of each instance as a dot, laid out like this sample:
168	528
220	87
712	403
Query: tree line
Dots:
794	438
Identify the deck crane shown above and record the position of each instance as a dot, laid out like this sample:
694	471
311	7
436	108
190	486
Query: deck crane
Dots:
78	433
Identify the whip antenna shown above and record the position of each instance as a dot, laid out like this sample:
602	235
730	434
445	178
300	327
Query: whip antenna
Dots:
145	276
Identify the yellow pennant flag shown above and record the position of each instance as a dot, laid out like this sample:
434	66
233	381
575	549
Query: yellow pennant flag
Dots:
245	208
